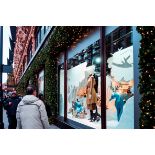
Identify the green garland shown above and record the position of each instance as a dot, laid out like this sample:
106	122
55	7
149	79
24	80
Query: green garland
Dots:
147	77
59	40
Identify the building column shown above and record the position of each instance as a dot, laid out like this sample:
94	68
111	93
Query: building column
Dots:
136	46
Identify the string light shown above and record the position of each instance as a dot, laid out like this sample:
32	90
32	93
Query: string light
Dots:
146	65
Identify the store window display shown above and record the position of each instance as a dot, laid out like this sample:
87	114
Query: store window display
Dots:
41	82
61	84
83	87
61	90
120	85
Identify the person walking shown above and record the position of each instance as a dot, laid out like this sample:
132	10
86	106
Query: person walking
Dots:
31	112
10	105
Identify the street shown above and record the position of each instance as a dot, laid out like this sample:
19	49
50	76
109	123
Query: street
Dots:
5	119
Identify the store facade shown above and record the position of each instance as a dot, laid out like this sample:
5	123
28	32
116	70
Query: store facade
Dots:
88	75
96	80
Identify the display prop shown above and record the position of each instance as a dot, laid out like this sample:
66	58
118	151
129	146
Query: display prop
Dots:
119	86
83	92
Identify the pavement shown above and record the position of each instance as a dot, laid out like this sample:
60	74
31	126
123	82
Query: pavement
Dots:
5	121
53	127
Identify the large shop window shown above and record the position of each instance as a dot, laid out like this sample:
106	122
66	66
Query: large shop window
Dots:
61	85
84	88
61	90
40	34
119	79
41	83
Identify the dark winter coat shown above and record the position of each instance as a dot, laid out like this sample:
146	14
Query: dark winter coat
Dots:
10	105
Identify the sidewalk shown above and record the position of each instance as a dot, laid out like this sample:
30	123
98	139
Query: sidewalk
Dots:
53	127
5	121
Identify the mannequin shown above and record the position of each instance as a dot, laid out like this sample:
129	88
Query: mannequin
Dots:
97	115
91	98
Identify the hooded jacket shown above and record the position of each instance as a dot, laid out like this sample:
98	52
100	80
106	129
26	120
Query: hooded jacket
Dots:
31	114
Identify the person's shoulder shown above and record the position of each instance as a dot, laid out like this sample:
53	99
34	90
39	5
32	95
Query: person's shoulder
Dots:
20	102
39	102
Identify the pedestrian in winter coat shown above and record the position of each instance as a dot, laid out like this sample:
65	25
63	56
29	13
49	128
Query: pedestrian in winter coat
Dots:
10	105
31	112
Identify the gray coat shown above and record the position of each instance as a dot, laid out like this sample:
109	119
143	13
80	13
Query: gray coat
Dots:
31	114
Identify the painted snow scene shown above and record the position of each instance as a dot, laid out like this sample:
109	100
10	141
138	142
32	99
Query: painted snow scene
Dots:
120	90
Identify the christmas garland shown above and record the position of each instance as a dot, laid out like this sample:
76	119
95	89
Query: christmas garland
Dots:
59	40
147	77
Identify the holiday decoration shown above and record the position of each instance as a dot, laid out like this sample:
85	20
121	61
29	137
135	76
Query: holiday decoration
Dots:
60	39
147	76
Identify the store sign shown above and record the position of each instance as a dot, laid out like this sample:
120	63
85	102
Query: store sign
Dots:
7	69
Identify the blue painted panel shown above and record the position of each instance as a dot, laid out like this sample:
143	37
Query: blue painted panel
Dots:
136	46
109	29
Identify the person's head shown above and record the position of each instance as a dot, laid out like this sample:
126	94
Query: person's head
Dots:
41	96
9	94
31	90
14	94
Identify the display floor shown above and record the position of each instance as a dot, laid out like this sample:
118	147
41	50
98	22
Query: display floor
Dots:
126	120
85	121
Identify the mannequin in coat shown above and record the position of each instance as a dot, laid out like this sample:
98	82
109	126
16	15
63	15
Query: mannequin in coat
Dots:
91	98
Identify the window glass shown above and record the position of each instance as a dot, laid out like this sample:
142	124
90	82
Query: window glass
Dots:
29	52
83	87
61	90
24	65
42	33
41	82
61	84
119	79
38	38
